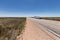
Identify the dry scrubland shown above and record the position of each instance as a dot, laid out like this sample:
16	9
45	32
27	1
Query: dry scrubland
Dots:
51	18
11	27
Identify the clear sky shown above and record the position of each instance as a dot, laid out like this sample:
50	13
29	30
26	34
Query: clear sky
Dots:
29	8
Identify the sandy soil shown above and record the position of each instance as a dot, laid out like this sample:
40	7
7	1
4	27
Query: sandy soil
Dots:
33	32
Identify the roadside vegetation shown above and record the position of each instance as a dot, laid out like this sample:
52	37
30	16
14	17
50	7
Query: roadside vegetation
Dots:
11	27
51	18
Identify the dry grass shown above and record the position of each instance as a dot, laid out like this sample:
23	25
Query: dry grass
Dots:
11	26
51	18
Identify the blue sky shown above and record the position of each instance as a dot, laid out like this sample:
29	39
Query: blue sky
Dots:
19	8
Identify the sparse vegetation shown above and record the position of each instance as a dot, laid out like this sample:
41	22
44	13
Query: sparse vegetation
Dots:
51	18
11	27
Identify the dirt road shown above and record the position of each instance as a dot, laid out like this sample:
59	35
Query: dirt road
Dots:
35	32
